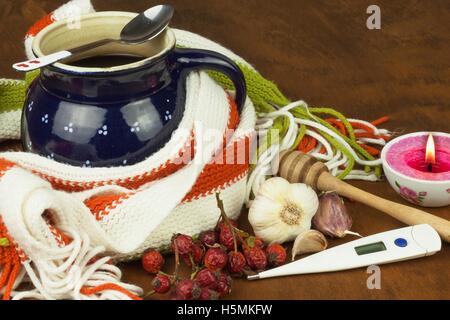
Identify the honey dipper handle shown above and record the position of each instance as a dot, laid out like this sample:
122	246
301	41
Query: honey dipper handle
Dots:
405	214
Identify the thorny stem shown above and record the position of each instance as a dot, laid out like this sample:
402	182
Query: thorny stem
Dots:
194	266
151	292
194	273
226	219
220	216
166	274
242	240
234	240
177	259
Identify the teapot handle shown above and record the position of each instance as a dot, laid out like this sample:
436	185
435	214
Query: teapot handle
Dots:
196	59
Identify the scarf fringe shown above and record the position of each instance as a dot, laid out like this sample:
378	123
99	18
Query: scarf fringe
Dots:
9	263
77	271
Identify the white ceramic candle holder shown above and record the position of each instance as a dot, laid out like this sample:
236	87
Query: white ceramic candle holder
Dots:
421	189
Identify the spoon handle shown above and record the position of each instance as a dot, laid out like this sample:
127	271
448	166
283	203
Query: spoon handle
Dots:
37	63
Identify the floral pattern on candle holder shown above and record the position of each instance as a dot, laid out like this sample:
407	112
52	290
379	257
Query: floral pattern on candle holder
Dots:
411	195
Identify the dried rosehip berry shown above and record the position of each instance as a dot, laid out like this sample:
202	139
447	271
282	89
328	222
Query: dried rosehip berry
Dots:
152	261
216	259
224	224
224	283
197	255
161	284
206	279
276	255
184	244
253	242
236	262
208	238
256	258
226	237
188	290
208	294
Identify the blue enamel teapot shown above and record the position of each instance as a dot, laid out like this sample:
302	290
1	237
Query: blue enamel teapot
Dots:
117	104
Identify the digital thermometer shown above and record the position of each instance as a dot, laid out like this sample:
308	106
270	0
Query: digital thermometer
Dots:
391	246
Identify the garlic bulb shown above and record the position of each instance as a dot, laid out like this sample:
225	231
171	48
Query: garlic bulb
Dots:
309	241
281	211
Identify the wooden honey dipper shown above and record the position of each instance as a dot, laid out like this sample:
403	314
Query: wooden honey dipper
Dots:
299	167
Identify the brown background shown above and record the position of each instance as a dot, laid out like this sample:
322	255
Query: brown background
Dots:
322	52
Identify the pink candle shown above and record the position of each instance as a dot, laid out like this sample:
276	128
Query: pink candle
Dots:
410	157
417	166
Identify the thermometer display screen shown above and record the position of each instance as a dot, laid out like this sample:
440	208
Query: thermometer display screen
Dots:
370	248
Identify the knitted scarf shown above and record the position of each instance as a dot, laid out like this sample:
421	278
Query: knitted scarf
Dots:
55	219
60	226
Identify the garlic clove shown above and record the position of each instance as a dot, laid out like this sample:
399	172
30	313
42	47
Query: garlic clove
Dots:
356	234
332	217
275	189
277	233
305	197
264	211
309	241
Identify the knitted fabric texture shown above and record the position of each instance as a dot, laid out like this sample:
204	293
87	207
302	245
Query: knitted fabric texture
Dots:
123	211
12	96
60	226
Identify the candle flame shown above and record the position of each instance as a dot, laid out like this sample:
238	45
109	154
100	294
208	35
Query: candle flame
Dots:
430	155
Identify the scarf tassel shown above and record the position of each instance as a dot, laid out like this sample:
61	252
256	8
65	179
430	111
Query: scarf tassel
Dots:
10	265
80	272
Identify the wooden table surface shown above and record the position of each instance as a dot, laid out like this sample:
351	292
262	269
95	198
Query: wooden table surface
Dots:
321	52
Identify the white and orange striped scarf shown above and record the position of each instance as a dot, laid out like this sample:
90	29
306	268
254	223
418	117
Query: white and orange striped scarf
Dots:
60	226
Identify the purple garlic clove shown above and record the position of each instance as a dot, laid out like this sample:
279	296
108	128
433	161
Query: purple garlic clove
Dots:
332	218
